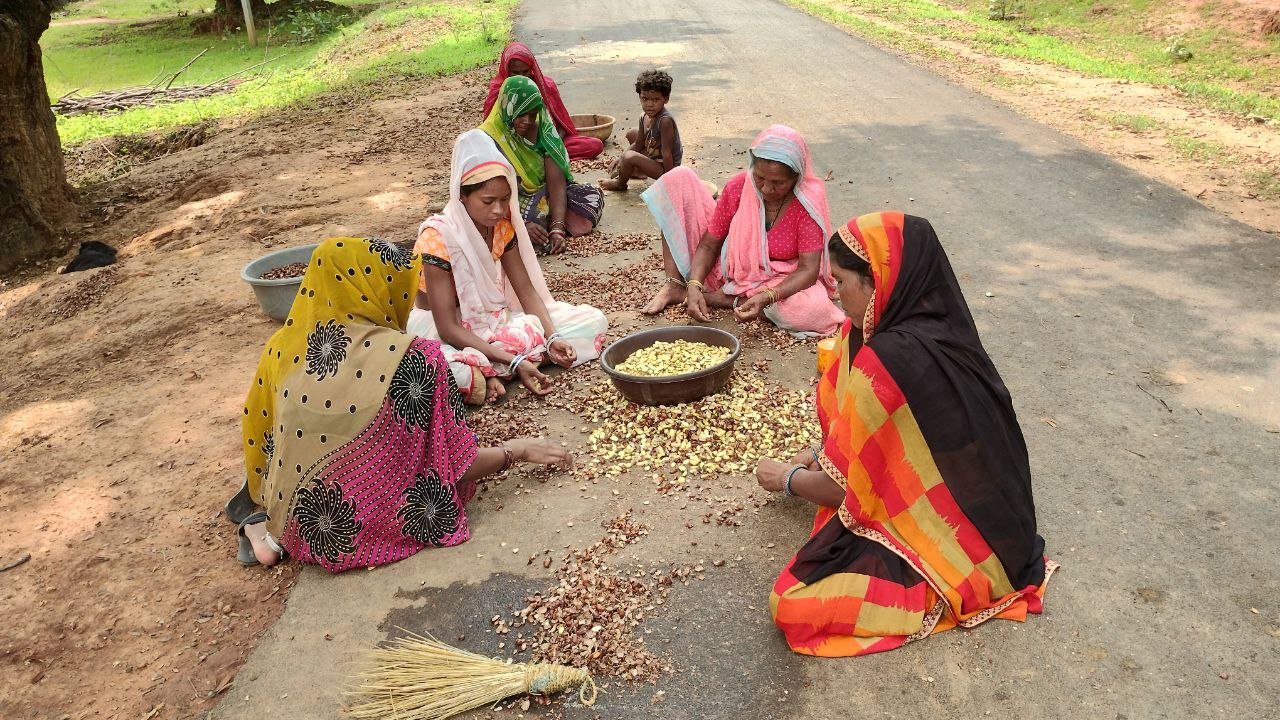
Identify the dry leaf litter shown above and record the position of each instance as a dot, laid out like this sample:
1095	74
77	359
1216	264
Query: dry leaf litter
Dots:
589	619
291	270
85	293
586	166
601	243
627	288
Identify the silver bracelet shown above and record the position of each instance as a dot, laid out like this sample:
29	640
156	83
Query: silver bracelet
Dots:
786	487
515	361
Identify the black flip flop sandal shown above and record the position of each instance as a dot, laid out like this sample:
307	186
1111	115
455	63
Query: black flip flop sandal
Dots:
240	506
244	549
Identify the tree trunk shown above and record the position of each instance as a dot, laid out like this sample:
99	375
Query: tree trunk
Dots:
34	196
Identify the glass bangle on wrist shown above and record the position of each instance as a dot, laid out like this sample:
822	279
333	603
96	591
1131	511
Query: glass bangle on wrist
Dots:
786	486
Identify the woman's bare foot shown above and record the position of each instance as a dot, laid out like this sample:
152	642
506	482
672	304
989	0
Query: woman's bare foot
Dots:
494	389
669	295
576	225
613	185
718	299
262	549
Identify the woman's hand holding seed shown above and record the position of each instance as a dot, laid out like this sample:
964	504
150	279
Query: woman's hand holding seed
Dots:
772	475
533	378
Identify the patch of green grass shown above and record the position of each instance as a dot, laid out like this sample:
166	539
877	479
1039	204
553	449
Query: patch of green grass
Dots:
94	58
1226	71
474	35
131	8
137	9
1123	121
1263	183
1199	150
890	36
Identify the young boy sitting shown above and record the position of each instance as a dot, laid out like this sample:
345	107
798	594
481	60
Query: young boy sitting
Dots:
655	146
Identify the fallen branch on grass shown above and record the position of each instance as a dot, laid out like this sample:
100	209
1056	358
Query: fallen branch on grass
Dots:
69	105
113	100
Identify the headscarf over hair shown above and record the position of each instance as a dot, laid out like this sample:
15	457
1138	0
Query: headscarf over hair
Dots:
481	284
354	289
546	86
518	96
745	253
485	172
920	430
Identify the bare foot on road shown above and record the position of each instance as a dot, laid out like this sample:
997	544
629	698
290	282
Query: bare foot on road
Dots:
613	185
666	297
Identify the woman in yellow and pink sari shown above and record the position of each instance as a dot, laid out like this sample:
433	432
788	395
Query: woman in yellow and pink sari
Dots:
759	249
356	447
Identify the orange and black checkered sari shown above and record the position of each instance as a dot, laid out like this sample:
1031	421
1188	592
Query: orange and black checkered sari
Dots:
937	528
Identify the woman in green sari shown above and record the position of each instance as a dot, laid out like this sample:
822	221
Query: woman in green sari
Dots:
552	204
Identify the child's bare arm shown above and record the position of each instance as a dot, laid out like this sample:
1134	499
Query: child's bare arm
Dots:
668	142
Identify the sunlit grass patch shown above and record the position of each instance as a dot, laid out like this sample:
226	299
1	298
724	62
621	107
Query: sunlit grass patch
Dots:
1193	148
1225	70
1137	123
463	34
1263	183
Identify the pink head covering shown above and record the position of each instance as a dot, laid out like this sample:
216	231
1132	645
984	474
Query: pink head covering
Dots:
745	253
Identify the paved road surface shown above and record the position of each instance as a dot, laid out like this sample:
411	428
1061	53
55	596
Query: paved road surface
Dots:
1138	332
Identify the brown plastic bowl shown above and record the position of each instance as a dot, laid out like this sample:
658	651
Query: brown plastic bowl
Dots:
670	389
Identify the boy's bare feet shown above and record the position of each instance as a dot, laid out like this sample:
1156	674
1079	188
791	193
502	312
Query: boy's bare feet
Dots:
613	185
669	295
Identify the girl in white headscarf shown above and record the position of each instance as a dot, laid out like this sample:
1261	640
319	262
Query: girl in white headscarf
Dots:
482	293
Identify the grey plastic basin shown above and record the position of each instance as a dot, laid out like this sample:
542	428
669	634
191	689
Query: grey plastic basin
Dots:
276	296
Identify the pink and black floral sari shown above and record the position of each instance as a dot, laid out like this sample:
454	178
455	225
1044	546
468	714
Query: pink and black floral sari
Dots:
354	437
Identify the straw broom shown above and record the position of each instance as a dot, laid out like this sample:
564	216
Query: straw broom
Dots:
421	678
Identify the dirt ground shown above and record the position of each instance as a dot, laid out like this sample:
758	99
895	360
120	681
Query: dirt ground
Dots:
119	418
119	406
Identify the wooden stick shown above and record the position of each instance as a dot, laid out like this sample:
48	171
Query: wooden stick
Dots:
184	67
251	67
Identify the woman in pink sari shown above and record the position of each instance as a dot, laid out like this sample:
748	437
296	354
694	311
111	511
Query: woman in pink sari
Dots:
759	250
517	59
